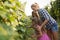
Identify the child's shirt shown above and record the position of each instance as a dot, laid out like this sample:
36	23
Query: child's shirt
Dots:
44	37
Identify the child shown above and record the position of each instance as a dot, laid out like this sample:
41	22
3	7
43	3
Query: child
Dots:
40	31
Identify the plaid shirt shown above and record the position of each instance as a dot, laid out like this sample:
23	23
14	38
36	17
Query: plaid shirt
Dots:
45	15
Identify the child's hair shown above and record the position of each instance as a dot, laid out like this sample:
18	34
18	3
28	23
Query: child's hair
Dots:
35	17
37	20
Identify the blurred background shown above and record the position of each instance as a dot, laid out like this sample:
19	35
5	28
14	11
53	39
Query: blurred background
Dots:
15	17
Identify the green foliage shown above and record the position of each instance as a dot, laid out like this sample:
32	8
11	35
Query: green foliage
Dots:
13	21
55	9
23	29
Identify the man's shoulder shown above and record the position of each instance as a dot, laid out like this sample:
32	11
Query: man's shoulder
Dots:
41	9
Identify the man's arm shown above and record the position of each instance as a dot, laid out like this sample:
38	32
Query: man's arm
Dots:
45	15
44	23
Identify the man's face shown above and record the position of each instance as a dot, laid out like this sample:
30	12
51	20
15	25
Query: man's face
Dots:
35	7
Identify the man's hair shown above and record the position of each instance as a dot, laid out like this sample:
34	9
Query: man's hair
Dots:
33	5
36	3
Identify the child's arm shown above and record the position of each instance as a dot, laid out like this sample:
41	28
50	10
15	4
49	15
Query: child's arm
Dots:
35	36
39	35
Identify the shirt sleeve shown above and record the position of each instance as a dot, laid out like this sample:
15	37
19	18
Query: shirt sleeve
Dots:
44	14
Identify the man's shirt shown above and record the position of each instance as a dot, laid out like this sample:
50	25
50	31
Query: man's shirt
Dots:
44	15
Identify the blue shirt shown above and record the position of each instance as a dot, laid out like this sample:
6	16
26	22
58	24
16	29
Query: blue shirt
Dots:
44	15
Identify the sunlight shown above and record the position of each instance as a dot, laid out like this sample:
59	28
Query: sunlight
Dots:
42	4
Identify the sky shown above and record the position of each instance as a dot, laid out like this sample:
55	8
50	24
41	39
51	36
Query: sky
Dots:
42	4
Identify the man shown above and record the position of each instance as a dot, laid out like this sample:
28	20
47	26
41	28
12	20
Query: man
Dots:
48	21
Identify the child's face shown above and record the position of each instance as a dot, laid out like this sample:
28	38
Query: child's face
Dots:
36	27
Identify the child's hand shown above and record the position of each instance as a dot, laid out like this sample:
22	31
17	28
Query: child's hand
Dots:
33	36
